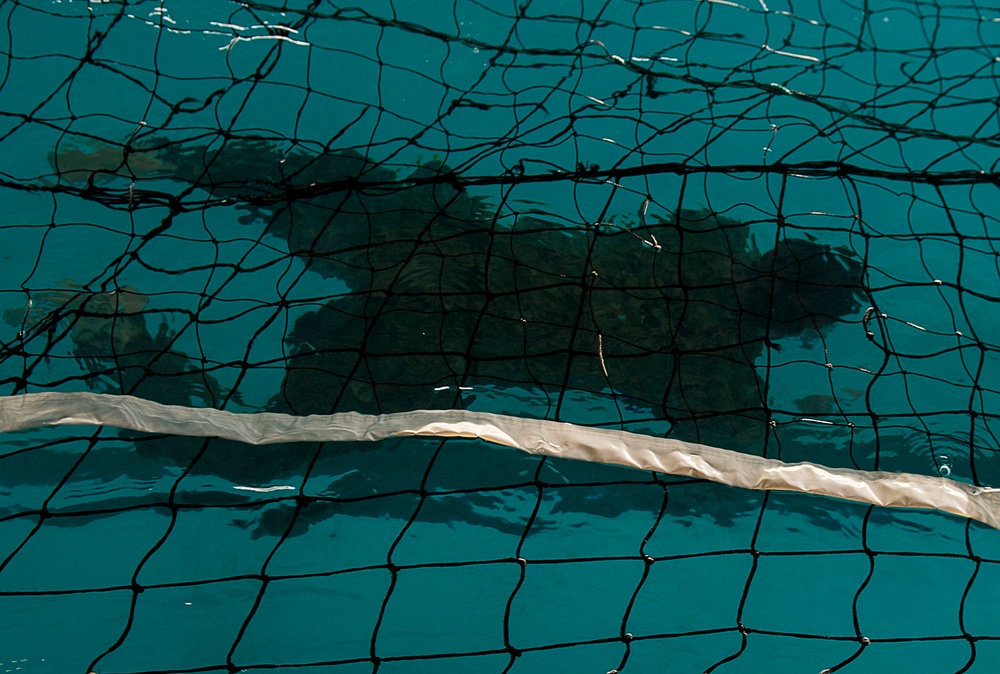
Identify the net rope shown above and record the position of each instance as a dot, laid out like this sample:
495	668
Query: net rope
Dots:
547	438
757	237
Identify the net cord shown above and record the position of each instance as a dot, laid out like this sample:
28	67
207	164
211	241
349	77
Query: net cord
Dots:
534	436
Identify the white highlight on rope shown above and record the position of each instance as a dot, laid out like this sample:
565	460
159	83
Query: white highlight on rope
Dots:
729	4
535	436
789	54
241	38
266	490
271	33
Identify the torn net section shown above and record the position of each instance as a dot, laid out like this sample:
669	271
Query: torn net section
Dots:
763	228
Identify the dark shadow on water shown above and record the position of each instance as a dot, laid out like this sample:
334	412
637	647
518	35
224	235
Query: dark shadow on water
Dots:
668	315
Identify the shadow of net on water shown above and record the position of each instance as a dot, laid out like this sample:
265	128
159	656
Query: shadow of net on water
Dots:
633	218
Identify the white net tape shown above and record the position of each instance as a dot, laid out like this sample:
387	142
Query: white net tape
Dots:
535	436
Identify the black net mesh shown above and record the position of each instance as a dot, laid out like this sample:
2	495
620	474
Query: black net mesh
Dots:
765	227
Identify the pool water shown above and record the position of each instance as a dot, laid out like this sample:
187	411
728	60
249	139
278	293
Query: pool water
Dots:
868	132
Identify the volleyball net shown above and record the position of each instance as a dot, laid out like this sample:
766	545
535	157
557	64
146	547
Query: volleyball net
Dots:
278	279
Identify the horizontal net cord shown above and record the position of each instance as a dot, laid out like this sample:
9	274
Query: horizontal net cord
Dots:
535	436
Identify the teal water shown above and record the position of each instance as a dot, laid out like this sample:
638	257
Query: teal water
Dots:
127	554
